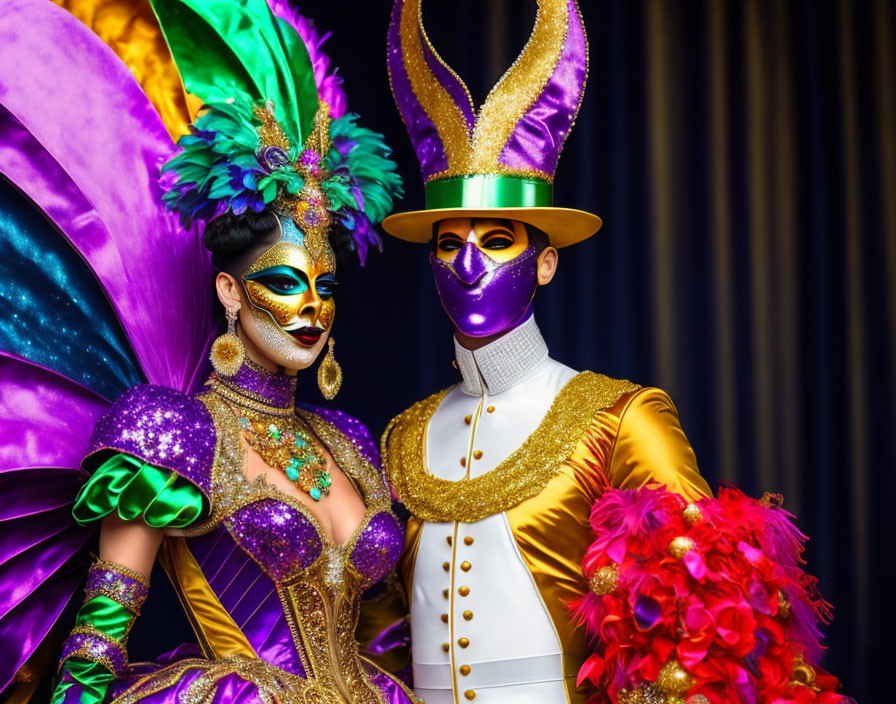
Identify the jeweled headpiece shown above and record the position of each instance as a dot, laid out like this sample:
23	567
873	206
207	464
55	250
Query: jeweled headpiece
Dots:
499	161
273	130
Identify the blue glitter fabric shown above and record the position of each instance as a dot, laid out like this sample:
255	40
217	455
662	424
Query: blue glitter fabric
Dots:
54	312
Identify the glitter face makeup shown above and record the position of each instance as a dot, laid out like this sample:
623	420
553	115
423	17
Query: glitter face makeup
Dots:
484	294
290	294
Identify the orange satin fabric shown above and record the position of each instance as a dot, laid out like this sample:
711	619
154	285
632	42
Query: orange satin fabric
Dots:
130	29
217	632
635	442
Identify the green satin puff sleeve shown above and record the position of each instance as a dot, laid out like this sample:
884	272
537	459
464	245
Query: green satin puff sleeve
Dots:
136	489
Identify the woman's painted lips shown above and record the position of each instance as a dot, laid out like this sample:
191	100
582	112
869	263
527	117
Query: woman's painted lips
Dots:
307	336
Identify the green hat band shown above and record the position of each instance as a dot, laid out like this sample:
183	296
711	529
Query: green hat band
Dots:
481	191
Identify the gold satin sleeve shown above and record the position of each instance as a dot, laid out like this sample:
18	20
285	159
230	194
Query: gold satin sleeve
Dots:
651	447
132	31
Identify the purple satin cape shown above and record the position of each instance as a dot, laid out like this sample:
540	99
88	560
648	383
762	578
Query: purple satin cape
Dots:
80	138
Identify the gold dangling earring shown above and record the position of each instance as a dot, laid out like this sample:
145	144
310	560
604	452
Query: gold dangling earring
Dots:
329	374
227	353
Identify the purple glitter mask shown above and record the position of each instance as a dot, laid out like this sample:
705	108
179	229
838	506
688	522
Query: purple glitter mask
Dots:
483	297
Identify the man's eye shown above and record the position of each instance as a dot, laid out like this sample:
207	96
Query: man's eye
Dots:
498	242
450	244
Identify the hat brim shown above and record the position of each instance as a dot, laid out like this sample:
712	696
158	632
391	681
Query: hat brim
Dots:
564	226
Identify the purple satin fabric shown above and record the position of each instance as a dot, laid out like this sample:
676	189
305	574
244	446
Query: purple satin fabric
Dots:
100	186
499	296
537	139
249	596
46	420
421	129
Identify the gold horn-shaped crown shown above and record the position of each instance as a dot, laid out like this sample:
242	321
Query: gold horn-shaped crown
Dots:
501	159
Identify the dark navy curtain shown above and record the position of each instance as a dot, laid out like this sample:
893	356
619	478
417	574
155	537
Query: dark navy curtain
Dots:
743	158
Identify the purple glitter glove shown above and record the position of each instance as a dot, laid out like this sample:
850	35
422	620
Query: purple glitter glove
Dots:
94	654
118	583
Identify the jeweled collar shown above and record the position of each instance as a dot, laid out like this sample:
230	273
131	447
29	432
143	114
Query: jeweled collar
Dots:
503	363
259	384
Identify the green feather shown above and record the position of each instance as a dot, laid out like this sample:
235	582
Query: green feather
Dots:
226	47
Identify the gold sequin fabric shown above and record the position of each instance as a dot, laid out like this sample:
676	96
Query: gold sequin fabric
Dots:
522	475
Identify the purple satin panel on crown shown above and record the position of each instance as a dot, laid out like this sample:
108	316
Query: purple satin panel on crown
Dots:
422	131
378	547
44	422
352	428
163	427
277	389
501	297
249	596
537	139
277	535
102	188
449	81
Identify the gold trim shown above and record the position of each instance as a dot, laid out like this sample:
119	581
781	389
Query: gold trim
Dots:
445	114
520	86
564	226
523	474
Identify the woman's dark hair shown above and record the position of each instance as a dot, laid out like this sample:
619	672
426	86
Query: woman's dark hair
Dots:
235	241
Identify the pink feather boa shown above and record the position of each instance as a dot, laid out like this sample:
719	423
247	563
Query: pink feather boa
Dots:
729	612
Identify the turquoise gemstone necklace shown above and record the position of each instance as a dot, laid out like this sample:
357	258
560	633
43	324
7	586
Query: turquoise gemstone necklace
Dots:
286	446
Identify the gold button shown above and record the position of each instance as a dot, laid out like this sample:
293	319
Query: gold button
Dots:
463	642
463	591
468	540
465	566
446	566
463	461
468	419
470	694
444	618
449	539
464	670
445	593
477	454
490	409
445	647
468	615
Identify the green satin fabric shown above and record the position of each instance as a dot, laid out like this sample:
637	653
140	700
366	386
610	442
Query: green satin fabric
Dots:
93	679
222	45
111	619
134	489
105	616
488	191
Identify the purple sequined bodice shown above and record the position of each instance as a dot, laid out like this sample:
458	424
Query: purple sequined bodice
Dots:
284	541
291	592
